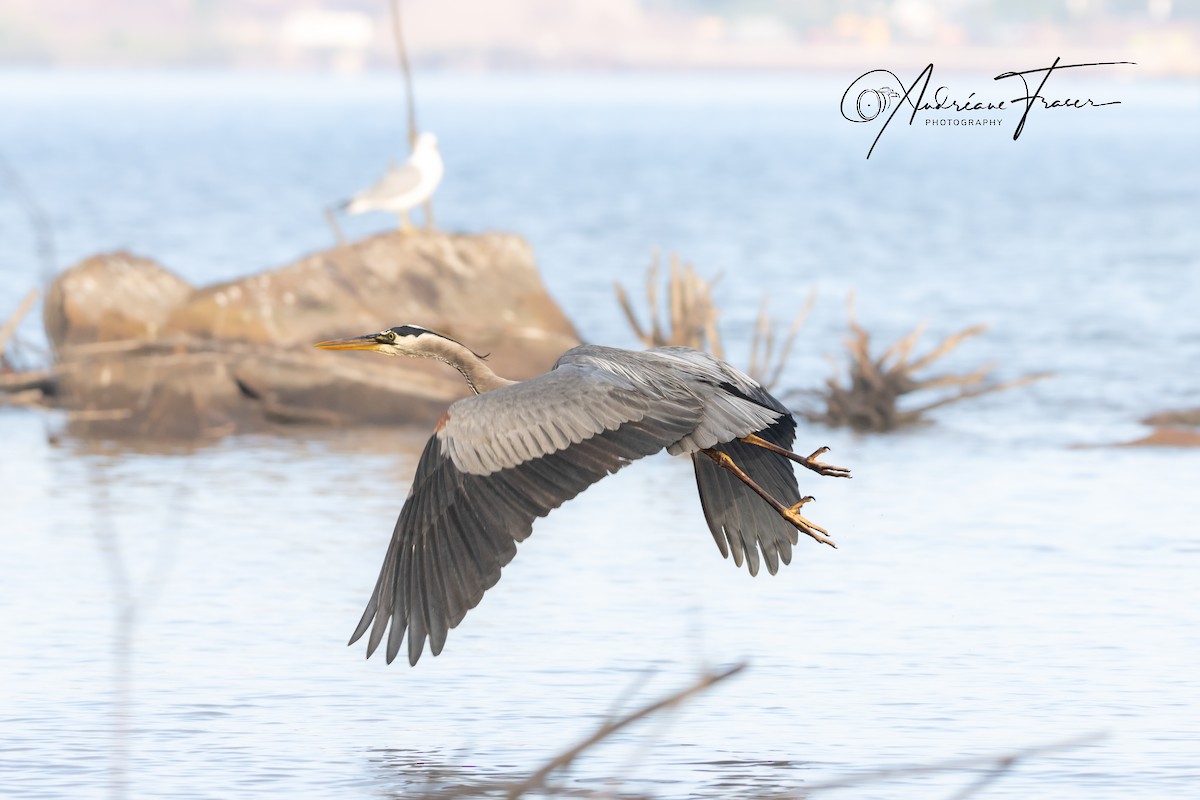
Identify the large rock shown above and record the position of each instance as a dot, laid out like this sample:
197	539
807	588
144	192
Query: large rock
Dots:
483	290
157	359
110	297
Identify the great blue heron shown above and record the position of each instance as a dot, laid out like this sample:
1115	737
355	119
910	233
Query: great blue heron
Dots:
514	451
406	186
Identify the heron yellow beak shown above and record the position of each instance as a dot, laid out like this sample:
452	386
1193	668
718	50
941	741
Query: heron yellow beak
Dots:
369	342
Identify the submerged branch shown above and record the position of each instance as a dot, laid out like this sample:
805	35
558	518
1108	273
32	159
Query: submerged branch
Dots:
869	398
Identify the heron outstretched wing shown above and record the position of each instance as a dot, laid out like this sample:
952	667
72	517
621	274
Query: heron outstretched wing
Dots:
497	462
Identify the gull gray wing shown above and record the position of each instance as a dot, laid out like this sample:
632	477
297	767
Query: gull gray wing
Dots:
499	461
397	181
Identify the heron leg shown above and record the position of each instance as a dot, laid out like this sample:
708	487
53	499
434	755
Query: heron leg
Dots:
406	225
810	462
789	513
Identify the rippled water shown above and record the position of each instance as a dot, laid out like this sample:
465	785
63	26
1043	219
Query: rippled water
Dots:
997	586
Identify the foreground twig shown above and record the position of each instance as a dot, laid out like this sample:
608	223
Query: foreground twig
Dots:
988	768
129	599
996	764
564	759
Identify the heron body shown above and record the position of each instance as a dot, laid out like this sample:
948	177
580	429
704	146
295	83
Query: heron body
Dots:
513	452
406	186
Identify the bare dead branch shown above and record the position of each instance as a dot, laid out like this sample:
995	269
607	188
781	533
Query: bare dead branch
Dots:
627	309
332	222
687	317
26	398
903	346
869	399
946	346
790	340
409	97
966	394
10	326
42	380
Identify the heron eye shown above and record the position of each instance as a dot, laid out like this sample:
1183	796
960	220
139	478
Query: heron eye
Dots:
388	335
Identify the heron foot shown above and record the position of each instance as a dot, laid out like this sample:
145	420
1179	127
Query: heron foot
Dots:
822	468
791	514
809	462
805	525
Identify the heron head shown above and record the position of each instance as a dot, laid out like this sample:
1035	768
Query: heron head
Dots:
403	340
426	141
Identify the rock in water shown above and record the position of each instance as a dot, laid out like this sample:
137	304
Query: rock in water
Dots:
110	297
142	354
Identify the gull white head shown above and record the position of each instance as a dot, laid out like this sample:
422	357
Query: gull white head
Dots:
426	142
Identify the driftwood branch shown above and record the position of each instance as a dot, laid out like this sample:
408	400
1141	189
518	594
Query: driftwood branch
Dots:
40	380
766	366
868	399
688	317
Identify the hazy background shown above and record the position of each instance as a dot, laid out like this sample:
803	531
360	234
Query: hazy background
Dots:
352	35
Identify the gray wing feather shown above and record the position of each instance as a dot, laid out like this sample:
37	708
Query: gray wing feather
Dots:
459	528
396	181
546	414
740	522
734	404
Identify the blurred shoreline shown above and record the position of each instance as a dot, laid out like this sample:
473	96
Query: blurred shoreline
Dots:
340	36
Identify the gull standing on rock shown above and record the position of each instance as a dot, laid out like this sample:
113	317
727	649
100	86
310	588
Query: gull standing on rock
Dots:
406	186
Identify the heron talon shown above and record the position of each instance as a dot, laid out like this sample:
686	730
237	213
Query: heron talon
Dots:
801	503
822	468
807	526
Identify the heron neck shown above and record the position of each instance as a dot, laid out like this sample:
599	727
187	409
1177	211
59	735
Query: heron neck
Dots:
477	374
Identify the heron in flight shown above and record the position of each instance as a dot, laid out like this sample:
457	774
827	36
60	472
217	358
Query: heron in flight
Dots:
511	453
406	186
